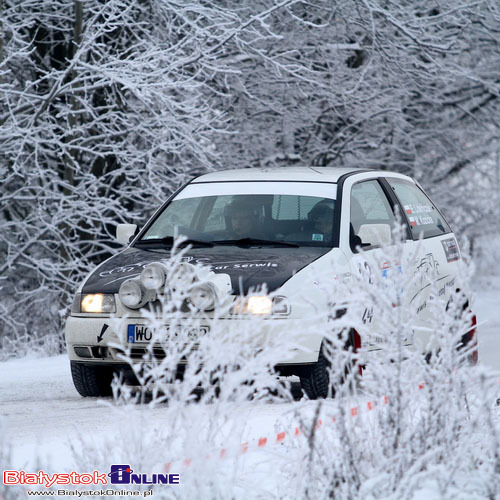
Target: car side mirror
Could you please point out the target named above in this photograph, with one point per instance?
(124, 232)
(375, 234)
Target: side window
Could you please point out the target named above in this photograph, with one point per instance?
(424, 218)
(371, 218)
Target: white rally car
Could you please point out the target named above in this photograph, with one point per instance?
(277, 228)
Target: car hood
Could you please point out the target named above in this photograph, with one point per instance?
(248, 268)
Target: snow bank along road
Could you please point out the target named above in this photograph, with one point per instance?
(41, 411)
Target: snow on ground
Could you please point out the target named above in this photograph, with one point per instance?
(41, 410)
(487, 307)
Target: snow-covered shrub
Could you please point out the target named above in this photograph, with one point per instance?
(410, 425)
(427, 420)
(195, 389)
(7, 492)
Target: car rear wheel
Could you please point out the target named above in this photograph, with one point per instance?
(92, 381)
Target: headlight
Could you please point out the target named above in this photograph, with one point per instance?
(259, 305)
(153, 276)
(94, 303)
(132, 294)
(263, 305)
(203, 296)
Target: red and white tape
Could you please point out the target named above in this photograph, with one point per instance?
(280, 437)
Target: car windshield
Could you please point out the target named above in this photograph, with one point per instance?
(260, 219)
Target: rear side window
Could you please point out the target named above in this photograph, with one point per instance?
(424, 218)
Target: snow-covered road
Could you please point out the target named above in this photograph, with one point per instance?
(44, 417)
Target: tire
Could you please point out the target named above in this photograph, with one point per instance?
(92, 381)
(316, 384)
(468, 340)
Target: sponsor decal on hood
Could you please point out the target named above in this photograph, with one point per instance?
(248, 267)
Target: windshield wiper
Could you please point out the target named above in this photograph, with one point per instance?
(256, 241)
(169, 241)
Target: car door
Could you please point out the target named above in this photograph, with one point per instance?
(372, 219)
(436, 259)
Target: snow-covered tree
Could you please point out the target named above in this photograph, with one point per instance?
(106, 106)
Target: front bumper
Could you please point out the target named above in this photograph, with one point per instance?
(104, 340)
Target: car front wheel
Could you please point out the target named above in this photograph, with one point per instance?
(316, 383)
(92, 381)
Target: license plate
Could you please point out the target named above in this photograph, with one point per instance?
(142, 334)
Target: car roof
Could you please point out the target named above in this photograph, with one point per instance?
(299, 174)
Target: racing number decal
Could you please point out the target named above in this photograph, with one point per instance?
(367, 315)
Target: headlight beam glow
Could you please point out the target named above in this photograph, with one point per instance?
(97, 303)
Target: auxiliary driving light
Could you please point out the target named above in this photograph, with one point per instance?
(203, 296)
(183, 277)
(153, 276)
(132, 294)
